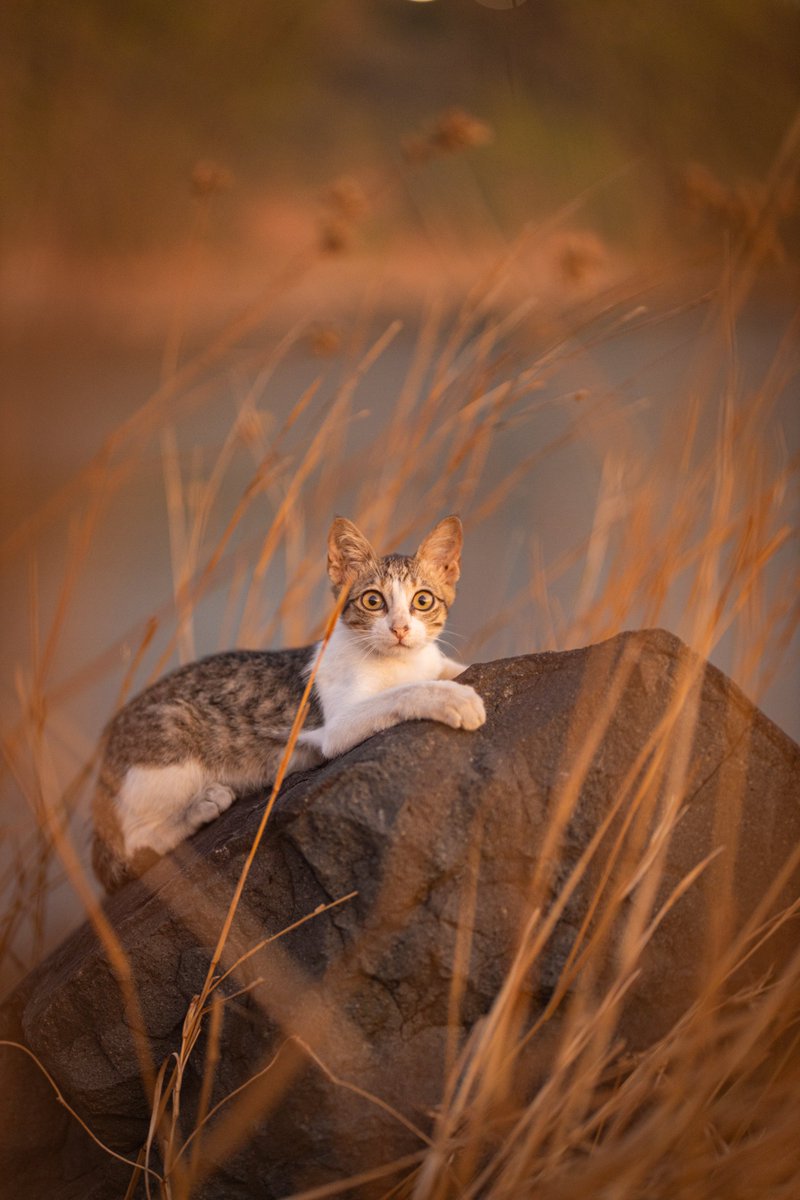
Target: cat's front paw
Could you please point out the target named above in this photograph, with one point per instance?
(457, 705)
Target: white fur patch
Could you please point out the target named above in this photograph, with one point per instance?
(152, 805)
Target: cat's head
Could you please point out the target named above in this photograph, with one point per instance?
(399, 602)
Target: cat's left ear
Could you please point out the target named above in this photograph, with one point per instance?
(442, 548)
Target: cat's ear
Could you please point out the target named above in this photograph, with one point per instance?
(349, 552)
(442, 549)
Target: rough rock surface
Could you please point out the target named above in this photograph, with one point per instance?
(407, 820)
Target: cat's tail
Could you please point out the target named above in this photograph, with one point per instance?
(111, 870)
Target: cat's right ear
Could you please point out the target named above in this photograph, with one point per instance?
(349, 552)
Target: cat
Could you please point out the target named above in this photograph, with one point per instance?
(174, 757)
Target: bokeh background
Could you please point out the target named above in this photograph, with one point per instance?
(210, 208)
(111, 107)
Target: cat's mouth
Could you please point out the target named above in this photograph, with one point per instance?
(390, 642)
(400, 645)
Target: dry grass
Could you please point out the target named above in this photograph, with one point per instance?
(694, 514)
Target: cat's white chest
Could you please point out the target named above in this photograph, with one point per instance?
(414, 667)
(348, 675)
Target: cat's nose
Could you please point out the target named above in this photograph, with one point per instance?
(399, 631)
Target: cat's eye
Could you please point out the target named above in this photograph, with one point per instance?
(373, 601)
(423, 601)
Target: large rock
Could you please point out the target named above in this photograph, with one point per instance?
(633, 743)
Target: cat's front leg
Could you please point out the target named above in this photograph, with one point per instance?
(450, 668)
(307, 752)
(454, 704)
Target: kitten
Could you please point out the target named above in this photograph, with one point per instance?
(174, 757)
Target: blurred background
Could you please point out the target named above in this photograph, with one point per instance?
(533, 261)
(111, 107)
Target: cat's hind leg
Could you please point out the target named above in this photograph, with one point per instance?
(157, 807)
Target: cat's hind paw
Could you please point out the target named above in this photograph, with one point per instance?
(207, 805)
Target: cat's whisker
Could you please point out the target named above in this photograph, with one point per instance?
(365, 652)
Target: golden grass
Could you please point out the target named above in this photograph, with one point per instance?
(706, 1111)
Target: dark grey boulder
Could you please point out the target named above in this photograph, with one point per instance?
(408, 819)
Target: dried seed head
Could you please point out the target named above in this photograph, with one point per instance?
(579, 256)
(210, 177)
(453, 130)
(345, 198)
(456, 129)
(335, 235)
(325, 341)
